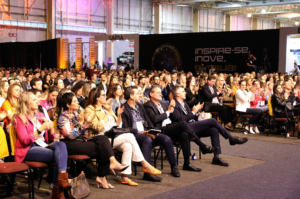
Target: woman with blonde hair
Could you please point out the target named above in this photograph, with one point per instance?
(3, 91)
(29, 128)
(9, 106)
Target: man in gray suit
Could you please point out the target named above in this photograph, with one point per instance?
(26, 84)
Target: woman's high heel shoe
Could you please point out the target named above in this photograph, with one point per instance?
(123, 168)
(100, 183)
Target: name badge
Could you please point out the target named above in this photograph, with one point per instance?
(294, 103)
(262, 103)
(140, 126)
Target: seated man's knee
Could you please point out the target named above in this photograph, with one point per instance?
(126, 147)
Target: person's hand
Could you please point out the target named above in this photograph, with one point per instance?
(220, 90)
(3, 115)
(253, 88)
(201, 106)
(286, 95)
(144, 132)
(120, 110)
(46, 126)
(171, 106)
(81, 117)
(196, 108)
(295, 92)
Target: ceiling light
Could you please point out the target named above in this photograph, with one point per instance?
(292, 15)
(182, 5)
(296, 23)
(263, 11)
(249, 15)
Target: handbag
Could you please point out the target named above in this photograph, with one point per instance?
(115, 132)
(80, 186)
(204, 116)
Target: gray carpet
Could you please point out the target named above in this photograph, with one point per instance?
(278, 177)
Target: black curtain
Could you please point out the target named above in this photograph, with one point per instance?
(29, 54)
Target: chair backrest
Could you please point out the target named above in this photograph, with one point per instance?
(270, 106)
(13, 139)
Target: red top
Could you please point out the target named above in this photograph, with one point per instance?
(88, 73)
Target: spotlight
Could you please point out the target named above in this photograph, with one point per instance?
(263, 11)
(249, 15)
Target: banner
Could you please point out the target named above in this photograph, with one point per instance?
(78, 53)
(92, 51)
(223, 51)
(131, 44)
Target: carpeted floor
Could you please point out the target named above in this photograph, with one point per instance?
(258, 169)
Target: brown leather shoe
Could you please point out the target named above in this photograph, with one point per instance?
(56, 194)
(62, 182)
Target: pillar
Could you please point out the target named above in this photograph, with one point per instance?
(157, 18)
(51, 19)
(277, 24)
(228, 23)
(196, 18)
(254, 24)
(110, 30)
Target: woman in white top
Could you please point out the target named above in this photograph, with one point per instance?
(243, 99)
(101, 118)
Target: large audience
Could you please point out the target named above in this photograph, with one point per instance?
(46, 114)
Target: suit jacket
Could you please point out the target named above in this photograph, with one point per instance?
(127, 119)
(169, 90)
(66, 82)
(207, 96)
(154, 115)
(24, 85)
(179, 115)
(101, 86)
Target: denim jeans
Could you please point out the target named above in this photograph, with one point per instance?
(56, 152)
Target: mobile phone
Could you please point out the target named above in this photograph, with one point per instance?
(224, 85)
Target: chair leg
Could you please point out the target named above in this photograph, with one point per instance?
(154, 150)
(134, 165)
(32, 181)
(162, 157)
(29, 184)
(41, 177)
(75, 167)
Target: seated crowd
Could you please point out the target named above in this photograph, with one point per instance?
(46, 113)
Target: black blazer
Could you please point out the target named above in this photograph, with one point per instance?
(154, 115)
(207, 96)
(127, 119)
(67, 83)
(191, 99)
(178, 114)
(100, 85)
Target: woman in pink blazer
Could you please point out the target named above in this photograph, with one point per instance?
(30, 143)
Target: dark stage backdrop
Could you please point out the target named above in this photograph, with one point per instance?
(29, 54)
(227, 51)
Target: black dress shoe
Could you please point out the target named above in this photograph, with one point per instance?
(190, 167)
(220, 162)
(175, 172)
(236, 140)
(208, 149)
(152, 178)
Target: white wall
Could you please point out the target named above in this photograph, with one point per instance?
(240, 22)
(120, 47)
(211, 21)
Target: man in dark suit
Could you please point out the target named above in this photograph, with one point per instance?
(159, 114)
(204, 128)
(102, 84)
(68, 80)
(26, 84)
(135, 118)
(210, 97)
(174, 79)
(167, 80)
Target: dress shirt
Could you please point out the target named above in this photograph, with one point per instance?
(136, 116)
(215, 99)
(161, 111)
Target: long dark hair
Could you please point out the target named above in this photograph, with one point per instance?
(112, 91)
(77, 86)
(189, 80)
(94, 94)
(63, 101)
(275, 92)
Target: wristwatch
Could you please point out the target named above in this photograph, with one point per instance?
(39, 132)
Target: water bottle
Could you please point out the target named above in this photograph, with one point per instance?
(194, 157)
